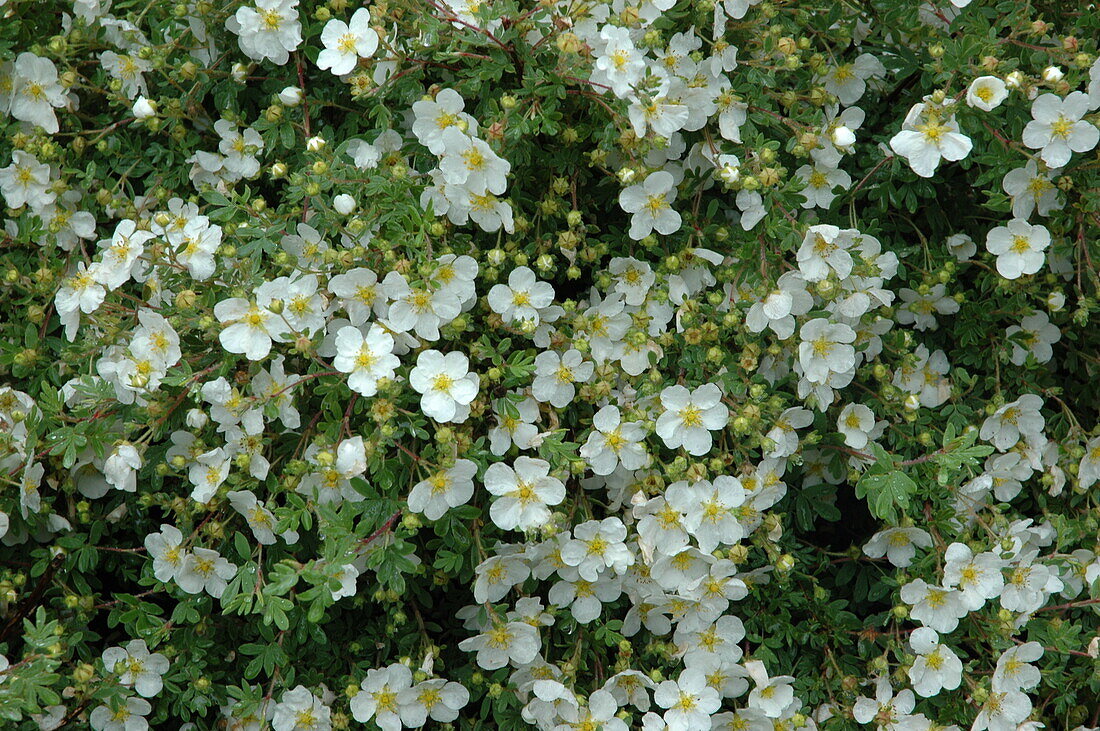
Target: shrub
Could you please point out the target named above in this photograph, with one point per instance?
(571, 365)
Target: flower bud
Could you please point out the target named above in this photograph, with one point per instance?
(1052, 74)
(144, 108)
(316, 143)
(291, 96)
(843, 137)
(344, 204)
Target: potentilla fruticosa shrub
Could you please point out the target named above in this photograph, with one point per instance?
(557, 365)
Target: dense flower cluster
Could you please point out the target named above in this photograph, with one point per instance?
(553, 365)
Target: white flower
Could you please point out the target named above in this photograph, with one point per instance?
(127, 68)
(1013, 421)
(249, 327)
(359, 294)
(1038, 335)
(709, 510)
(555, 375)
(445, 384)
(497, 575)
(470, 162)
(820, 182)
(888, 711)
(433, 117)
(300, 710)
(1088, 470)
(36, 92)
(961, 246)
(367, 359)
(934, 606)
(986, 93)
(842, 136)
(331, 483)
(1014, 671)
(270, 30)
(1031, 191)
(784, 433)
(613, 442)
(205, 570)
(166, 549)
(524, 493)
(316, 143)
(447, 488)
(689, 700)
(1019, 247)
(928, 139)
(633, 279)
(620, 65)
(920, 310)
(771, 696)
(855, 422)
(1003, 711)
(515, 425)
(125, 716)
(438, 699)
(977, 577)
(584, 598)
(848, 81)
(346, 575)
(690, 416)
(1028, 586)
(825, 348)
(522, 298)
(239, 148)
(207, 474)
(199, 242)
(825, 248)
(121, 466)
(598, 545)
(899, 545)
(659, 113)
(136, 666)
(346, 43)
(651, 204)
(120, 254)
(515, 642)
(1057, 128)
(419, 309)
(378, 698)
(779, 308)
(26, 182)
(936, 667)
(259, 518)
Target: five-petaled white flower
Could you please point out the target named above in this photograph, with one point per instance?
(524, 493)
(1019, 247)
(366, 358)
(690, 416)
(445, 383)
(1057, 128)
(651, 204)
(346, 43)
(136, 666)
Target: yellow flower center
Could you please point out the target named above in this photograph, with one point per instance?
(691, 415)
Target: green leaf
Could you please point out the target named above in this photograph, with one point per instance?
(886, 493)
